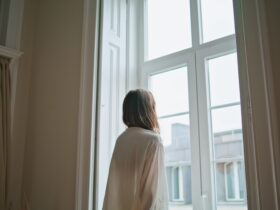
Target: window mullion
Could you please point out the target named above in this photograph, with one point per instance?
(194, 134)
(168, 62)
(208, 198)
(141, 33)
(195, 23)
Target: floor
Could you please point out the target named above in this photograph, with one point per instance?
(188, 207)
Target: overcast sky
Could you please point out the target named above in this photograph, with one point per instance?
(169, 31)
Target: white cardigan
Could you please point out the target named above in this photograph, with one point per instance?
(137, 179)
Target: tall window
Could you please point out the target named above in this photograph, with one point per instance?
(184, 51)
(190, 64)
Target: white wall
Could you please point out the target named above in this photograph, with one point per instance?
(21, 108)
(47, 98)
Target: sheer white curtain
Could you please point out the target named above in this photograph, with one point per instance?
(5, 127)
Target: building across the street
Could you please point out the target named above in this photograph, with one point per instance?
(228, 166)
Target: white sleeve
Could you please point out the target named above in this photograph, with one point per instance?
(153, 193)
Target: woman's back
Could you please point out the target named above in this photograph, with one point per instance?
(137, 176)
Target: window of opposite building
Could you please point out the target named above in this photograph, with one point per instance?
(177, 184)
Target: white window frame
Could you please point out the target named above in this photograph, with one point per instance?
(203, 197)
(257, 106)
(224, 46)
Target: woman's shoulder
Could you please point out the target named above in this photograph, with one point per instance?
(144, 134)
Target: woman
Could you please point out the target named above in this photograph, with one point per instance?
(137, 178)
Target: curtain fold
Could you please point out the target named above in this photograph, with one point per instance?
(5, 127)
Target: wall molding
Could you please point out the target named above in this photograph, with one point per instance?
(14, 55)
(270, 101)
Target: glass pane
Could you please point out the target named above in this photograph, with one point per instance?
(170, 90)
(168, 27)
(225, 120)
(175, 132)
(217, 19)
(223, 79)
(226, 128)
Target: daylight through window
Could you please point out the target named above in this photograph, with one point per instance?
(190, 63)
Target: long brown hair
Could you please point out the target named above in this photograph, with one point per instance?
(139, 110)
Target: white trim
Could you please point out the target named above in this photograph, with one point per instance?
(141, 41)
(207, 175)
(177, 164)
(87, 110)
(196, 187)
(225, 160)
(166, 63)
(195, 23)
(180, 57)
(111, 90)
(132, 62)
(145, 43)
(258, 106)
